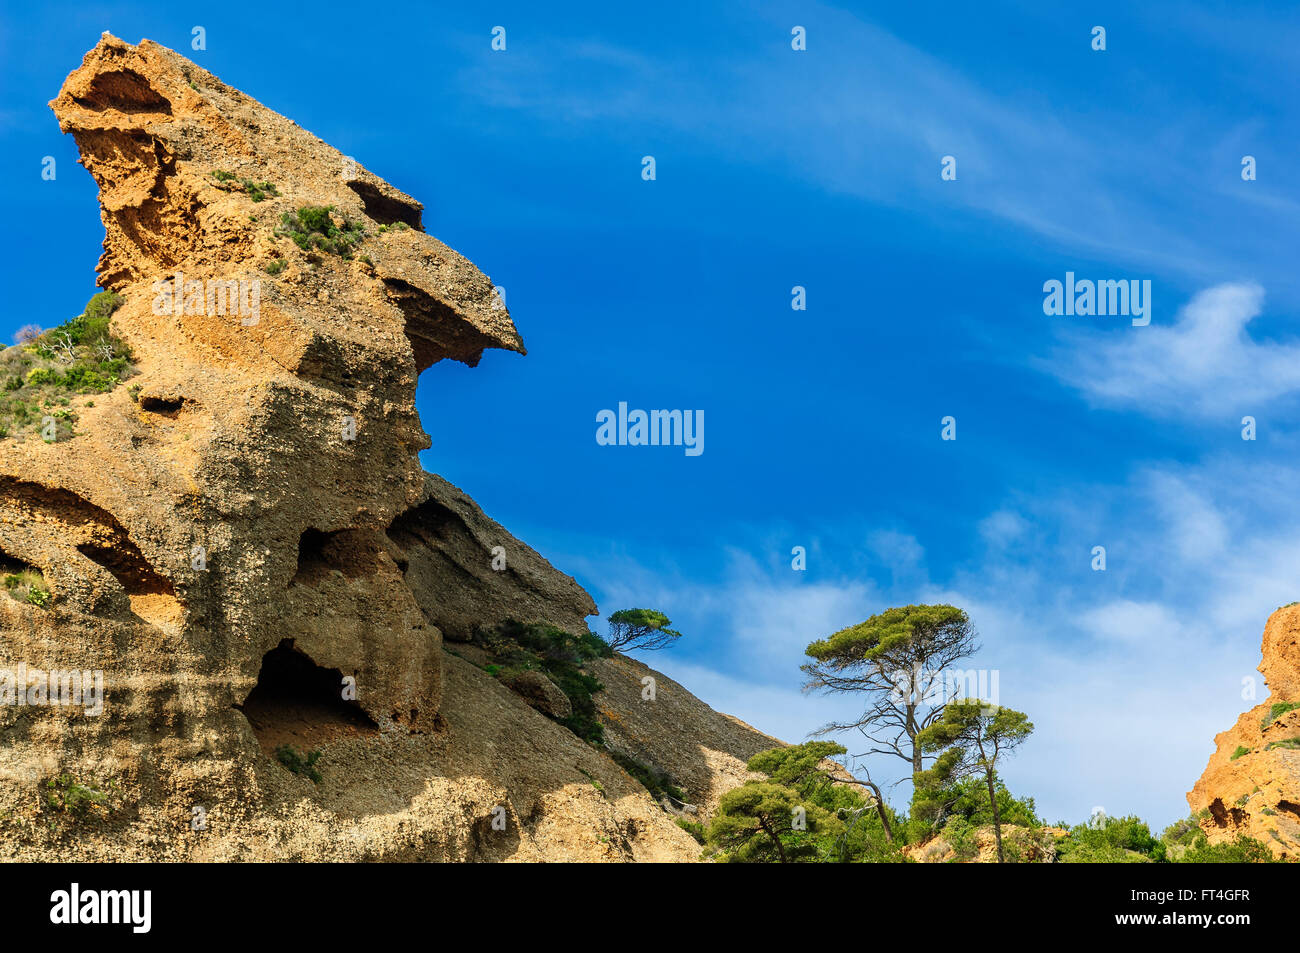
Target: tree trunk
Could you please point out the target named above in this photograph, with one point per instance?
(880, 808)
(780, 848)
(997, 817)
(912, 730)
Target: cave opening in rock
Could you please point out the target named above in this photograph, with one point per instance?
(164, 406)
(384, 209)
(9, 565)
(311, 554)
(352, 552)
(299, 703)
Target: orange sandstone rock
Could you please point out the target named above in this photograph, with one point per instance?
(1251, 785)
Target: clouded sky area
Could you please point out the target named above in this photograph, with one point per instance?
(821, 168)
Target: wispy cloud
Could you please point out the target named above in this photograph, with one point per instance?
(866, 114)
(1128, 674)
(1205, 362)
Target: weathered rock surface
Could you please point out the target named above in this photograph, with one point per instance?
(443, 540)
(1257, 793)
(542, 693)
(703, 751)
(246, 547)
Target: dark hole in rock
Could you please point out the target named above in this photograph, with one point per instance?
(1219, 813)
(299, 703)
(353, 552)
(311, 550)
(9, 565)
(384, 209)
(166, 406)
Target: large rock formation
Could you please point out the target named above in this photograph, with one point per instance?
(1252, 784)
(243, 542)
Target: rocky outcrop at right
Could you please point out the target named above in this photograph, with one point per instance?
(1252, 784)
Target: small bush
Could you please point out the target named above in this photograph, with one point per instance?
(67, 796)
(1117, 840)
(694, 828)
(1277, 711)
(312, 226)
(960, 835)
(658, 783)
(257, 191)
(298, 762)
(28, 586)
(1241, 751)
(28, 333)
(1243, 850)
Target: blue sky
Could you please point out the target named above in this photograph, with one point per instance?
(821, 169)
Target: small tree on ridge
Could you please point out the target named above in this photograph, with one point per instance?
(640, 629)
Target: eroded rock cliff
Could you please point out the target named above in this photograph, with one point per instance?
(245, 527)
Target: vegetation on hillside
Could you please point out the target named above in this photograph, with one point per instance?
(42, 375)
(809, 808)
(319, 227)
(257, 191)
(72, 799)
(516, 647)
(1277, 711)
(26, 585)
(902, 665)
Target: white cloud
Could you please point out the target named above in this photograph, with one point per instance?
(1127, 674)
(900, 551)
(1001, 528)
(757, 620)
(1131, 623)
(1203, 362)
(779, 710)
